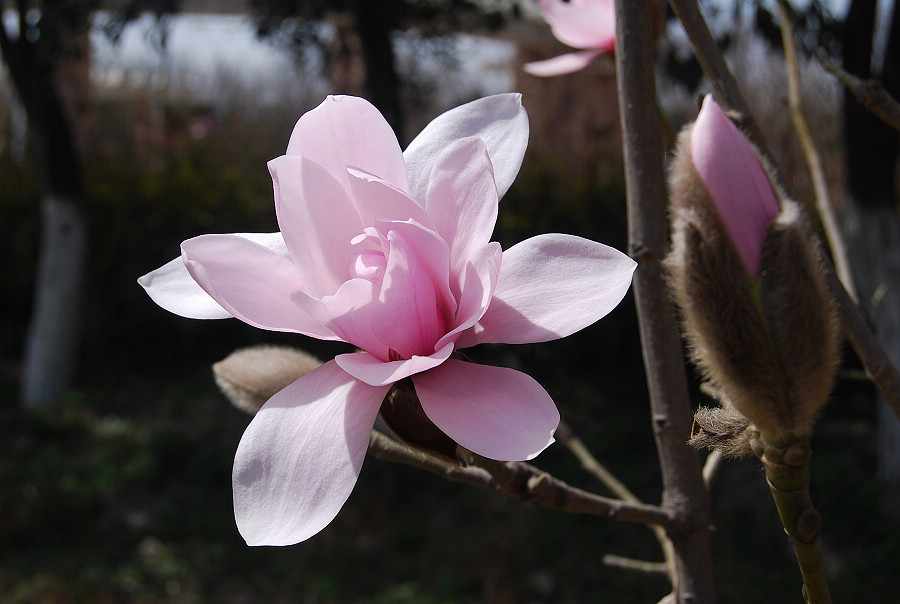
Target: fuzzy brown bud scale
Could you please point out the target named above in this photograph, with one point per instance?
(250, 376)
(769, 341)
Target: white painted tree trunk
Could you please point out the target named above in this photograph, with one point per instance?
(873, 239)
(53, 334)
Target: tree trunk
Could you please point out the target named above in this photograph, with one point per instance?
(53, 333)
(375, 22)
(870, 219)
(52, 339)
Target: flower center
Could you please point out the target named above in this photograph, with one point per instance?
(370, 262)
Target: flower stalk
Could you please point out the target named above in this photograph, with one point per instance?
(787, 473)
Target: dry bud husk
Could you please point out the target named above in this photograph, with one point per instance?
(251, 376)
(770, 340)
(723, 428)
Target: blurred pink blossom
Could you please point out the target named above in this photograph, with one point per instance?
(389, 251)
(586, 24)
(735, 180)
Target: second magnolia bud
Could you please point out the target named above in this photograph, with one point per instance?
(769, 339)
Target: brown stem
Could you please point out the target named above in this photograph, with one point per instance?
(520, 481)
(684, 493)
(712, 62)
(870, 93)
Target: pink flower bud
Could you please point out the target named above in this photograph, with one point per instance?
(735, 180)
(768, 343)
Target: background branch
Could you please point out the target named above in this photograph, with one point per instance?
(817, 174)
(870, 93)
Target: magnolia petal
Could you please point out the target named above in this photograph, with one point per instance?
(318, 221)
(477, 285)
(561, 65)
(496, 412)
(250, 281)
(375, 372)
(347, 131)
(414, 307)
(377, 199)
(735, 179)
(300, 457)
(172, 287)
(582, 24)
(462, 198)
(551, 286)
(499, 120)
(349, 314)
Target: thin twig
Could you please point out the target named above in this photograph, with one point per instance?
(820, 186)
(870, 93)
(592, 465)
(878, 366)
(712, 62)
(521, 481)
(651, 568)
(712, 466)
(683, 490)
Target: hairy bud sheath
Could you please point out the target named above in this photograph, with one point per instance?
(250, 376)
(768, 340)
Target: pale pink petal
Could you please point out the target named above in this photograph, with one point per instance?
(585, 24)
(300, 456)
(250, 281)
(462, 198)
(172, 287)
(375, 372)
(346, 131)
(499, 120)
(477, 284)
(377, 199)
(495, 412)
(561, 65)
(318, 221)
(551, 286)
(735, 180)
(349, 314)
(414, 310)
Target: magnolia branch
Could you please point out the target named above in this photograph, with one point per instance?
(592, 466)
(878, 366)
(683, 490)
(520, 481)
(817, 174)
(870, 93)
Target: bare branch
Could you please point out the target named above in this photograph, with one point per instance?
(521, 481)
(683, 490)
(593, 466)
(643, 566)
(870, 93)
(823, 199)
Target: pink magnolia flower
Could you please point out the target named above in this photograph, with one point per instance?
(586, 24)
(735, 180)
(389, 251)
